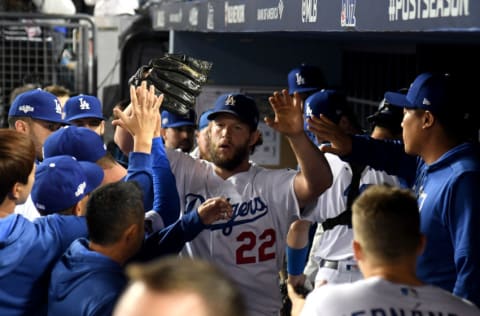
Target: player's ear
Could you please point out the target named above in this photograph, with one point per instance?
(428, 119)
(21, 126)
(421, 245)
(254, 137)
(357, 250)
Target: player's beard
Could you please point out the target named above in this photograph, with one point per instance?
(239, 154)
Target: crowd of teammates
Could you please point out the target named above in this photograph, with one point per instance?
(72, 217)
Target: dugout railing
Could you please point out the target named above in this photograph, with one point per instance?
(46, 50)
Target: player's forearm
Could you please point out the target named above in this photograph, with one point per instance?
(297, 236)
(315, 175)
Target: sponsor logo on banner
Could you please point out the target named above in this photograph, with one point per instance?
(176, 17)
(274, 13)
(309, 11)
(193, 16)
(210, 16)
(160, 19)
(234, 14)
(347, 16)
(405, 10)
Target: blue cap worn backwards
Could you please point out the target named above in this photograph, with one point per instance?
(37, 104)
(62, 181)
(305, 78)
(79, 142)
(172, 120)
(239, 105)
(83, 106)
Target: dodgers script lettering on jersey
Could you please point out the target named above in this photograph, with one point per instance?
(243, 212)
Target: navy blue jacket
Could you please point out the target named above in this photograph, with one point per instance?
(449, 202)
(28, 250)
(85, 282)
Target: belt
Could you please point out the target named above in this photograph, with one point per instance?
(331, 264)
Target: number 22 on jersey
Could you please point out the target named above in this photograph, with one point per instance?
(248, 252)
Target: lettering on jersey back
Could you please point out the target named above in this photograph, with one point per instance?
(397, 311)
(243, 212)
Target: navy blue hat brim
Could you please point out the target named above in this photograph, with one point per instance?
(398, 99)
(46, 119)
(84, 115)
(212, 115)
(179, 124)
(303, 90)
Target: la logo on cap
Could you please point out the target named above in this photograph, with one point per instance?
(299, 78)
(84, 105)
(308, 111)
(26, 108)
(230, 100)
(58, 107)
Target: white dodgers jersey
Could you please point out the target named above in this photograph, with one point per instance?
(377, 296)
(336, 243)
(250, 246)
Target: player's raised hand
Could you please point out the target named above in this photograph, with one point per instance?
(144, 116)
(215, 209)
(338, 142)
(288, 118)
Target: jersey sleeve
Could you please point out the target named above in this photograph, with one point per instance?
(464, 224)
(64, 228)
(386, 155)
(171, 239)
(279, 190)
(165, 201)
(139, 170)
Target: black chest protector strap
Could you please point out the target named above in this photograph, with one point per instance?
(345, 218)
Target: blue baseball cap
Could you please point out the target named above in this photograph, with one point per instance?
(388, 115)
(83, 106)
(62, 181)
(243, 107)
(79, 142)
(330, 103)
(37, 104)
(305, 78)
(171, 120)
(203, 120)
(428, 91)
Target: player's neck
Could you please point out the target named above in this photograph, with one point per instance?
(7, 207)
(226, 173)
(400, 273)
(114, 252)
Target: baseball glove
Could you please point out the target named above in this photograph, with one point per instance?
(179, 77)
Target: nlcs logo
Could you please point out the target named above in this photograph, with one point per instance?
(25, 108)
